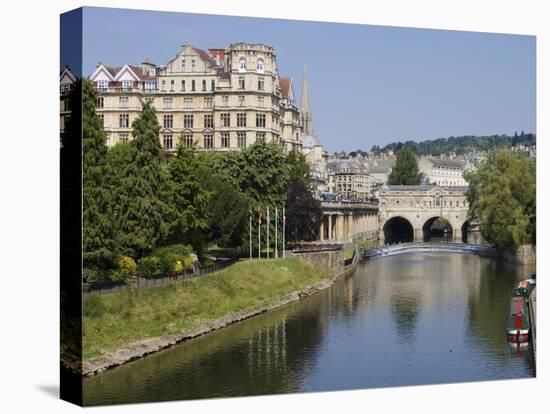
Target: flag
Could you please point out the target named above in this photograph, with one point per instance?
(259, 215)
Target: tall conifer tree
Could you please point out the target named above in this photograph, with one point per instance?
(141, 223)
(406, 171)
(98, 245)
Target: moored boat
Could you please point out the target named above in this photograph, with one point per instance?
(518, 321)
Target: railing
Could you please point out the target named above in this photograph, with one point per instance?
(142, 282)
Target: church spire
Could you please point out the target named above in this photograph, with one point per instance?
(305, 111)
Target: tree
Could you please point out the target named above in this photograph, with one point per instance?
(298, 167)
(259, 171)
(303, 212)
(406, 170)
(141, 224)
(119, 158)
(186, 200)
(502, 196)
(97, 234)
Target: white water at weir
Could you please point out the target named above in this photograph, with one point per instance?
(402, 248)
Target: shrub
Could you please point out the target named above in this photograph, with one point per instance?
(126, 267)
(170, 255)
(178, 267)
(149, 267)
(178, 249)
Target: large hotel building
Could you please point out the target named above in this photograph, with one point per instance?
(220, 99)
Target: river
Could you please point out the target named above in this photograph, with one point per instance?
(410, 319)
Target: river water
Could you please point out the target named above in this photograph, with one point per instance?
(410, 319)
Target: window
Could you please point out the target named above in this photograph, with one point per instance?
(167, 141)
(168, 121)
(225, 100)
(167, 103)
(123, 137)
(152, 72)
(260, 66)
(188, 102)
(241, 100)
(163, 85)
(100, 102)
(188, 140)
(123, 120)
(241, 82)
(213, 85)
(241, 139)
(241, 119)
(101, 119)
(193, 85)
(261, 84)
(225, 140)
(172, 85)
(188, 121)
(66, 105)
(150, 85)
(102, 84)
(204, 85)
(225, 119)
(242, 65)
(126, 84)
(260, 120)
(260, 135)
(123, 102)
(208, 102)
(64, 88)
(260, 101)
(193, 65)
(183, 65)
(183, 86)
(209, 121)
(208, 141)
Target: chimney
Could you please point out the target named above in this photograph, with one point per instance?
(98, 64)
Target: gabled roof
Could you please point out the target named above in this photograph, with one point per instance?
(127, 68)
(110, 72)
(67, 73)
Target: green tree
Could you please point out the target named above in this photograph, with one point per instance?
(502, 196)
(119, 158)
(259, 171)
(186, 200)
(406, 170)
(97, 234)
(141, 224)
(303, 212)
(298, 167)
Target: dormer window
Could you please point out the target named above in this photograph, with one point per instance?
(242, 65)
(152, 72)
(102, 84)
(260, 66)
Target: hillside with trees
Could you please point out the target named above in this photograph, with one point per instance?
(459, 145)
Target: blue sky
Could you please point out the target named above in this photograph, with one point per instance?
(368, 84)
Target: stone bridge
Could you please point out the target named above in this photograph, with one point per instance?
(402, 213)
(413, 210)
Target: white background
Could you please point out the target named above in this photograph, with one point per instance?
(29, 194)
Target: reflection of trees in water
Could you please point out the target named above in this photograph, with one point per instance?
(405, 312)
(264, 355)
(488, 306)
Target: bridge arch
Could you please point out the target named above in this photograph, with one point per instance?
(398, 229)
(437, 227)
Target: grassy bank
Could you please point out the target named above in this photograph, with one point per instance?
(111, 321)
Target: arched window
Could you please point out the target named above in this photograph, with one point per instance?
(242, 65)
(260, 66)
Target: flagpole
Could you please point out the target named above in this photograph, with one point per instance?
(276, 231)
(284, 225)
(267, 232)
(259, 232)
(250, 230)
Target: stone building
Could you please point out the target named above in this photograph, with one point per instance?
(316, 156)
(349, 179)
(443, 171)
(220, 99)
(66, 81)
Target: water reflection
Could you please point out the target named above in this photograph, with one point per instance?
(409, 319)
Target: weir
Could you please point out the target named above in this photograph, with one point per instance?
(402, 248)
